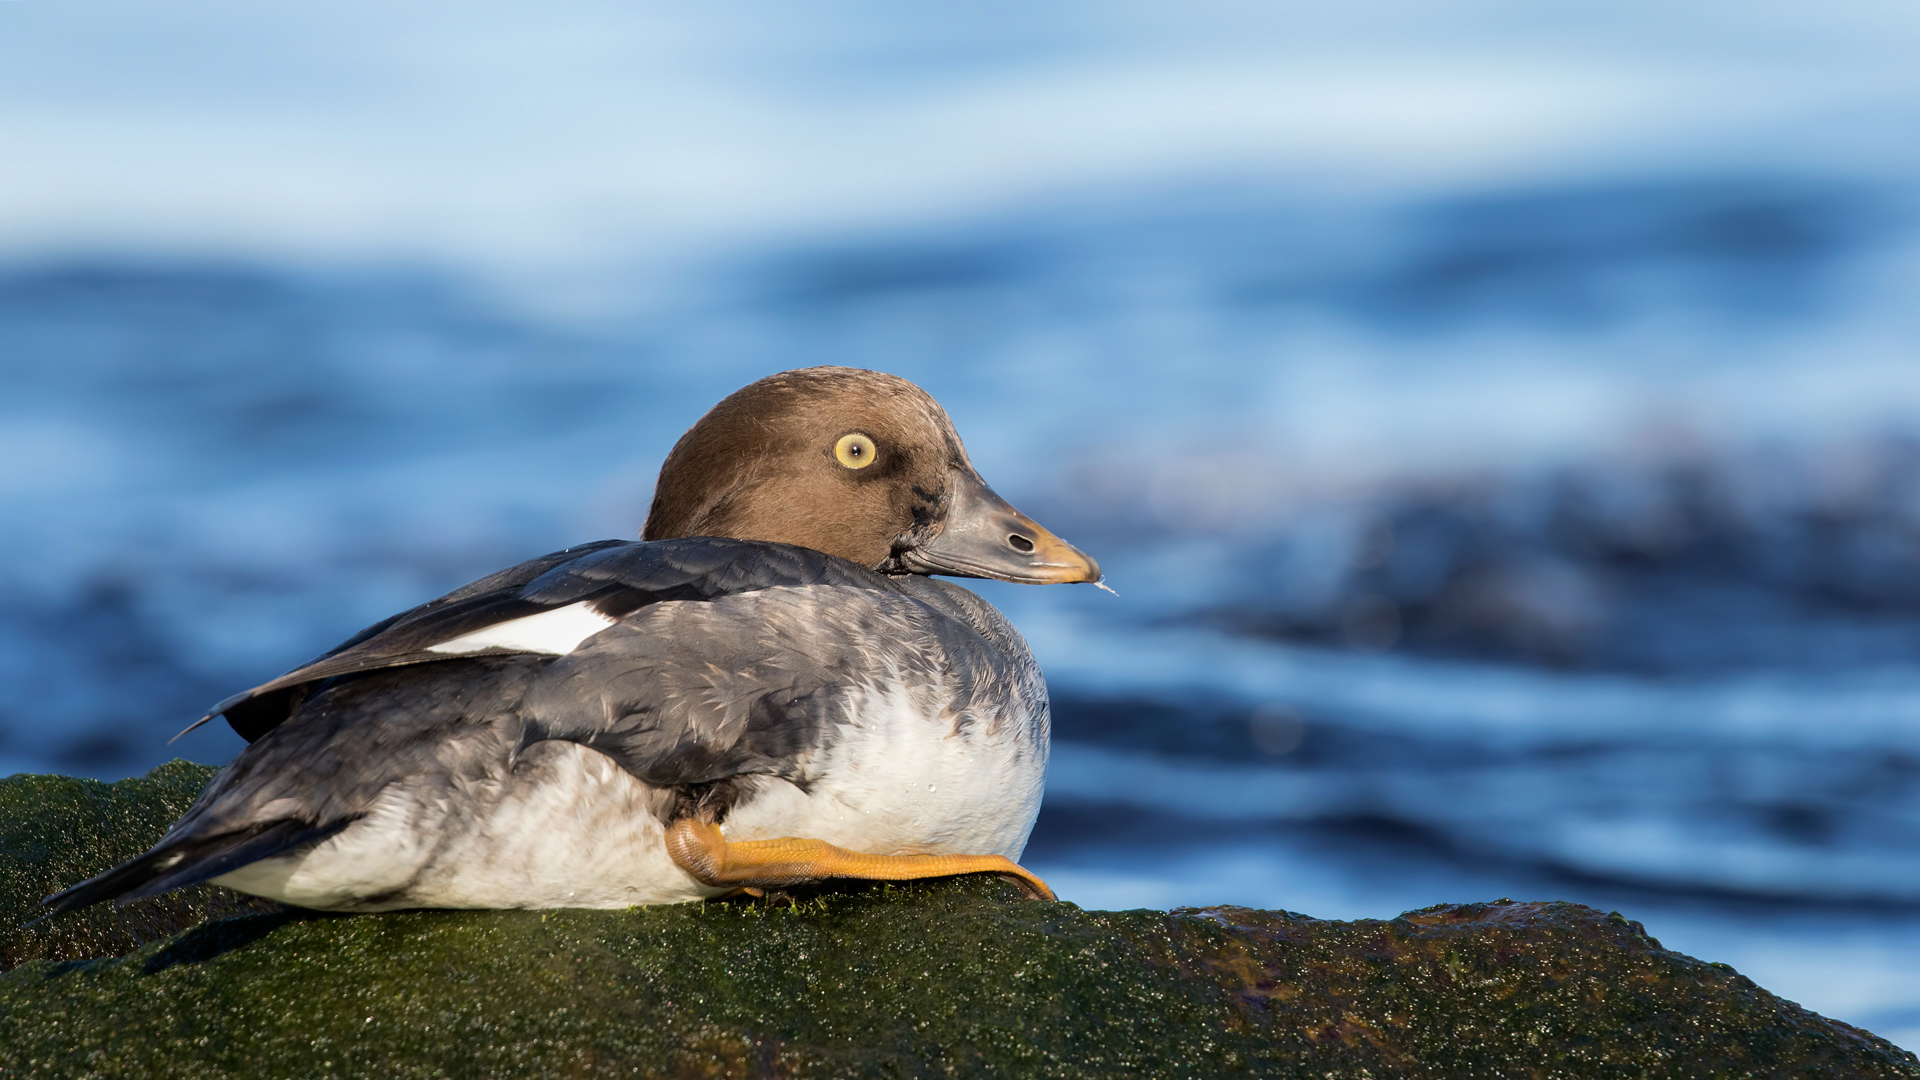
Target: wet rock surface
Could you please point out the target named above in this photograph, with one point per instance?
(57, 830)
(957, 978)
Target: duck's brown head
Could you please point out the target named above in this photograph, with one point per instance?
(854, 463)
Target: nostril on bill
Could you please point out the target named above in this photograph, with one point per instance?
(1019, 543)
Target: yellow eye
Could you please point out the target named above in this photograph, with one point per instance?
(855, 451)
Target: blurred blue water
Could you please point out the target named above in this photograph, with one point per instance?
(1549, 542)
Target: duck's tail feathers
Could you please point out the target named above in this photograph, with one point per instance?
(176, 862)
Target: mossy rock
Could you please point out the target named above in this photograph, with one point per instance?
(57, 830)
(955, 978)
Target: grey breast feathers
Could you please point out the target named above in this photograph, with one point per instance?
(756, 683)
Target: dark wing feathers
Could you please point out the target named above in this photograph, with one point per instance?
(618, 577)
(189, 861)
(254, 712)
(235, 850)
(407, 641)
(513, 577)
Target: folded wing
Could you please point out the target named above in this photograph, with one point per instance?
(546, 605)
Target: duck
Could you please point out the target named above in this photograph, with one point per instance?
(769, 689)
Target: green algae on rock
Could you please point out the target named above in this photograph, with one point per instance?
(954, 978)
(56, 830)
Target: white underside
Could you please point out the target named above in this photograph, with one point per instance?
(901, 780)
(567, 828)
(570, 828)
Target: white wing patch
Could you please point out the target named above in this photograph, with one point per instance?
(558, 632)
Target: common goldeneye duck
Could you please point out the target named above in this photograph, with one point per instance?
(765, 690)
